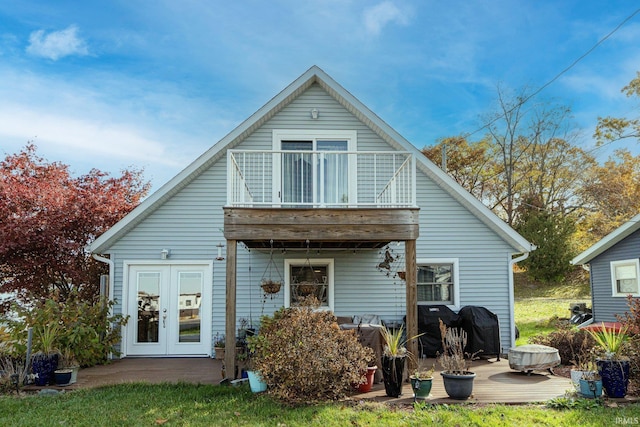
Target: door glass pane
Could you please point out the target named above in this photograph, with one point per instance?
(148, 306)
(190, 295)
(332, 173)
(297, 174)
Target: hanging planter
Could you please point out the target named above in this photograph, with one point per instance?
(270, 285)
(306, 288)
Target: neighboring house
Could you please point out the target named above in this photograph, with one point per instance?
(614, 268)
(347, 204)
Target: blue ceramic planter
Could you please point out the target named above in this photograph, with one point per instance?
(255, 382)
(591, 389)
(615, 376)
(44, 365)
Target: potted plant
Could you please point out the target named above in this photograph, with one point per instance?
(369, 376)
(590, 385)
(219, 346)
(256, 382)
(45, 361)
(582, 359)
(69, 362)
(421, 382)
(458, 380)
(614, 366)
(394, 355)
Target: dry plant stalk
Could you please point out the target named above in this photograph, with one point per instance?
(453, 343)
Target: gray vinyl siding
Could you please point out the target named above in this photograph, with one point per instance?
(605, 305)
(190, 224)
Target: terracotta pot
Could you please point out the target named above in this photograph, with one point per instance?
(370, 374)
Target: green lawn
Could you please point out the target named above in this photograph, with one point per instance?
(192, 405)
(539, 315)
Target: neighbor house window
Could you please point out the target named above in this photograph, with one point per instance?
(305, 278)
(624, 277)
(437, 282)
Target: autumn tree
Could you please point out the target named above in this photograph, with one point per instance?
(611, 129)
(610, 196)
(469, 163)
(47, 219)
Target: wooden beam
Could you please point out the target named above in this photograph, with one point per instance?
(230, 327)
(412, 301)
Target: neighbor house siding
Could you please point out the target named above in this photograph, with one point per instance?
(605, 305)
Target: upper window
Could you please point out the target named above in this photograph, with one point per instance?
(304, 278)
(437, 282)
(624, 277)
(314, 167)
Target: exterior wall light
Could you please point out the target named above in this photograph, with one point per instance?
(220, 257)
(165, 253)
(315, 114)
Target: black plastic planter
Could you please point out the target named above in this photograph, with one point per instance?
(392, 374)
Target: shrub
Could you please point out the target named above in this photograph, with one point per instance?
(304, 356)
(575, 346)
(85, 330)
(631, 322)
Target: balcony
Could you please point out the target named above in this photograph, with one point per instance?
(320, 179)
(320, 199)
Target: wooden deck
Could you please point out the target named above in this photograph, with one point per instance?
(495, 381)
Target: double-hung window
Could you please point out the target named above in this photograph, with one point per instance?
(438, 281)
(306, 278)
(313, 168)
(625, 277)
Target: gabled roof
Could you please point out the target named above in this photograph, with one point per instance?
(611, 239)
(271, 108)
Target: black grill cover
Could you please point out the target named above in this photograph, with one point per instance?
(430, 344)
(482, 328)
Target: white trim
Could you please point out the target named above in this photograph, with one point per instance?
(456, 278)
(624, 262)
(329, 262)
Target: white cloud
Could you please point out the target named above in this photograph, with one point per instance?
(382, 14)
(57, 44)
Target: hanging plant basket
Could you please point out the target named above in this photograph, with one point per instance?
(270, 287)
(306, 288)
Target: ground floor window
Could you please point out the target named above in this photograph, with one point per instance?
(437, 282)
(624, 277)
(309, 277)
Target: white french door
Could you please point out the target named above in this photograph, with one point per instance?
(170, 310)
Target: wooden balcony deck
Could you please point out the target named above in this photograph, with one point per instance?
(495, 381)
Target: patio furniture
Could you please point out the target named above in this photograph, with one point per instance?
(369, 336)
(533, 357)
(483, 331)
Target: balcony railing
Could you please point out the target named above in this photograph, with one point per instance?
(308, 179)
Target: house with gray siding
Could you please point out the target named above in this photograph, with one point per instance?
(614, 267)
(317, 192)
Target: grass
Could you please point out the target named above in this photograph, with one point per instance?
(538, 306)
(206, 405)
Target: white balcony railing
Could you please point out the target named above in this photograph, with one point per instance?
(309, 179)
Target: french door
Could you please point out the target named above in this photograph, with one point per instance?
(170, 310)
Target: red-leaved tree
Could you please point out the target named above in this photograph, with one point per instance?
(47, 219)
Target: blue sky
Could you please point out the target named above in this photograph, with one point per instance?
(153, 84)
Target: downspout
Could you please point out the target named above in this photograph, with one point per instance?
(111, 272)
(512, 318)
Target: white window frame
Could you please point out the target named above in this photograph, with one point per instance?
(298, 262)
(279, 135)
(456, 279)
(627, 262)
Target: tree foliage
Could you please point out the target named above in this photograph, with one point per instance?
(609, 196)
(48, 217)
(611, 129)
(551, 233)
